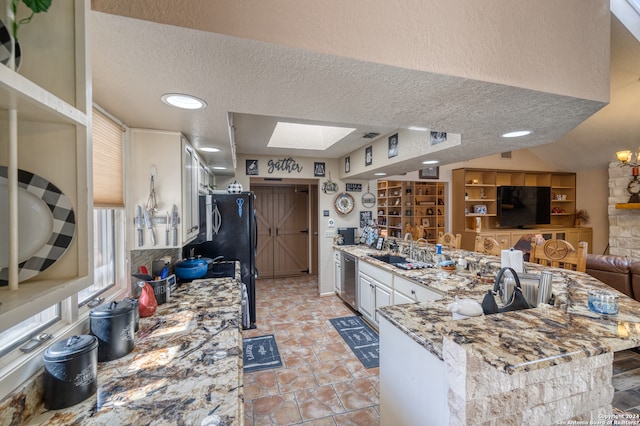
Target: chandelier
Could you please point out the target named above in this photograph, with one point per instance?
(628, 158)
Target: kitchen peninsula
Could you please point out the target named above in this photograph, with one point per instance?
(537, 366)
(186, 368)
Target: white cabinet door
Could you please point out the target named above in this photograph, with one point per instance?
(366, 295)
(382, 298)
(400, 298)
(337, 277)
(189, 193)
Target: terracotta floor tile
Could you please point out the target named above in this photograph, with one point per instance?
(290, 380)
(314, 357)
(365, 417)
(318, 402)
(276, 410)
(356, 394)
(331, 372)
(325, 421)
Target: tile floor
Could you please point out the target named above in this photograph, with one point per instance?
(321, 381)
(626, 381)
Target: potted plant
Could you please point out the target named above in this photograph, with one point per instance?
(36, 6)
(582, 217)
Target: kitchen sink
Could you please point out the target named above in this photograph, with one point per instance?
(401, 262)
(387, 258)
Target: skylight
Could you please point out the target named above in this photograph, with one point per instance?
(306, 136)
(628, 12)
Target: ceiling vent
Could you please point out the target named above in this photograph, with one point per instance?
(370, 135)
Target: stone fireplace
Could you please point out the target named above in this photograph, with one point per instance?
(624, 224)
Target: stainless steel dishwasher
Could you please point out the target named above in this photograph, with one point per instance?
(348, 280)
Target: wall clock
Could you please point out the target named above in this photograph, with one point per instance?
(344, 203)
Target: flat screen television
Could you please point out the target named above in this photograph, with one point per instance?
(522, 206)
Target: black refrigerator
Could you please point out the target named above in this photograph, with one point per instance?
(231, 219)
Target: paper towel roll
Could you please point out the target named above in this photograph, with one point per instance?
(513, 259)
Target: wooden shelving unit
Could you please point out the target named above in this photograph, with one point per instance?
(408, 206)
(475, 205)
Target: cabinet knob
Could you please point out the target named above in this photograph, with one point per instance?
(413, 292)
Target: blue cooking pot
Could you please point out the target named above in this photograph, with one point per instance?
(191, 269)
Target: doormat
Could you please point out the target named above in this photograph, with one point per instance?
(260, 353)
(362, 340)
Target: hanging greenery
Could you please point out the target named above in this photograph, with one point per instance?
(36, 6)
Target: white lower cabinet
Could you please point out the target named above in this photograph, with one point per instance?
(373, 293)
(382, 298)
(406, 291)
(385, 289)
(337, 272)
(366, 295)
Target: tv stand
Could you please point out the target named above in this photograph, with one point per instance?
(474, 195)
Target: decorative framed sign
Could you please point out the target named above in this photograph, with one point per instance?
(368, 155)
(354, 187)
(252, 167)
(437, 137)
(318, 169)
(393, 145)
(429, 173)
(366, 216)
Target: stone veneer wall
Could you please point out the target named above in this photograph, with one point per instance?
(479, 394)
(624, 224)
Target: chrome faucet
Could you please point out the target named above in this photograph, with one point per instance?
(409, 237)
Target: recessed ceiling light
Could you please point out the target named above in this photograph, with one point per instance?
(306, 136)
(430, 162)
(209, 149)
(517, 134)
(380, 174)
(180, 100)
(219, 168)
(420, 129)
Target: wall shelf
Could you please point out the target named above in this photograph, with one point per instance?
(628, 206)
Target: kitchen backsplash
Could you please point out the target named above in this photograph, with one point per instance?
(146, 257)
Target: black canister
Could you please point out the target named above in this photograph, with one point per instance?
(70, 371)
(161, 290)
(136, 311)
(113, 324)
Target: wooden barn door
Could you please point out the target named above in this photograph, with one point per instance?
(283, 231)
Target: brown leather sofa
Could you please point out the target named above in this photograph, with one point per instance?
(619, 272)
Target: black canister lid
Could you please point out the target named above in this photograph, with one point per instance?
(112, 309)
(67, 349)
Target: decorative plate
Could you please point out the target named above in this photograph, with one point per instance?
(344, 203)
(5, 47)
(46, 225)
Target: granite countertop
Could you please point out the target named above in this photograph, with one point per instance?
(186, 367)
(512, 341)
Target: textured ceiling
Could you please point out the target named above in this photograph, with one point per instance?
(135, 62)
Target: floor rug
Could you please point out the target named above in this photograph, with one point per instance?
(260, 353)
(362, 340)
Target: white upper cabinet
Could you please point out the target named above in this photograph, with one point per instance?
(175, 167)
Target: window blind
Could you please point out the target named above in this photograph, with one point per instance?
(108, 168)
